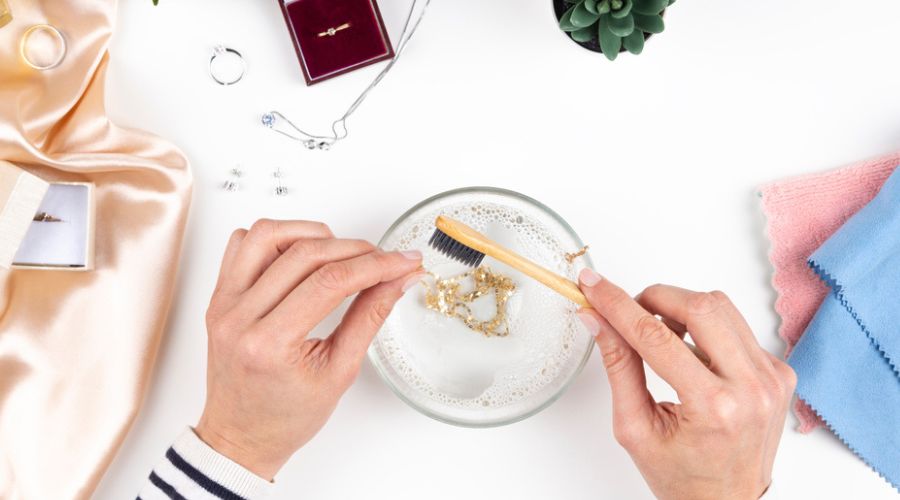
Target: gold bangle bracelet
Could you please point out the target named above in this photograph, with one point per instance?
(55, 33)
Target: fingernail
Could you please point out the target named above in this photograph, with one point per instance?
(590, 323)
(588, 277)
(412, 254)
(415, 280)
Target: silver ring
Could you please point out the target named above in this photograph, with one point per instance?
(23, 45)
(220, 50)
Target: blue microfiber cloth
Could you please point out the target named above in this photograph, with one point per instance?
(848, 360)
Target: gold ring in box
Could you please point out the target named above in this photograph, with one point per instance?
(333, 31)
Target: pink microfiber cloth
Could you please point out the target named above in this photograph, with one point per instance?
(801, 214)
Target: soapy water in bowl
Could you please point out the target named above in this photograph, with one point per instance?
(443, 362)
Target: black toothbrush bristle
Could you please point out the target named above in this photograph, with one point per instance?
(448, 246)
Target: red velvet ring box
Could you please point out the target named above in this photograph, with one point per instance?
(333, 37)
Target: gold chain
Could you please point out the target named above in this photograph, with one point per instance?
(446, 297)
(570, 257)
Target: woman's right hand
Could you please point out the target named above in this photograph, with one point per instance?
(720, 441)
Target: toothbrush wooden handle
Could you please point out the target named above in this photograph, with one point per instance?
(477, 241)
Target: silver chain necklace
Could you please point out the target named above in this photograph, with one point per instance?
(274, 119)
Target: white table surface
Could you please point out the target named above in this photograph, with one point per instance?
(654, 160)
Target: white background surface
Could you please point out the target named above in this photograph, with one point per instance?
(654, 160)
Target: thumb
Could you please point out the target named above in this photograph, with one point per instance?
(362, 321)
(632, 402)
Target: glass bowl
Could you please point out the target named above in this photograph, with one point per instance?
(456, 375)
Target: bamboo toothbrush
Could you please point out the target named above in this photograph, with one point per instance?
(460, 242)
(464, 244)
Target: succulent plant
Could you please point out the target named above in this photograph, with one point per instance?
(614, 24)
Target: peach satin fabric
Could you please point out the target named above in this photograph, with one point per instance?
(76, 349)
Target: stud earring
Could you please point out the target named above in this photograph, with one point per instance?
(232, 184)
(280, 189)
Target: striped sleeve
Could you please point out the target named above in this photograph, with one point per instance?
(191, 470)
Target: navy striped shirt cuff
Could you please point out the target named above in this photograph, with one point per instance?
(191, 470)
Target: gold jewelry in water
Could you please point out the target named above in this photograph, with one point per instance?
(447, 297)
(570, 257)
